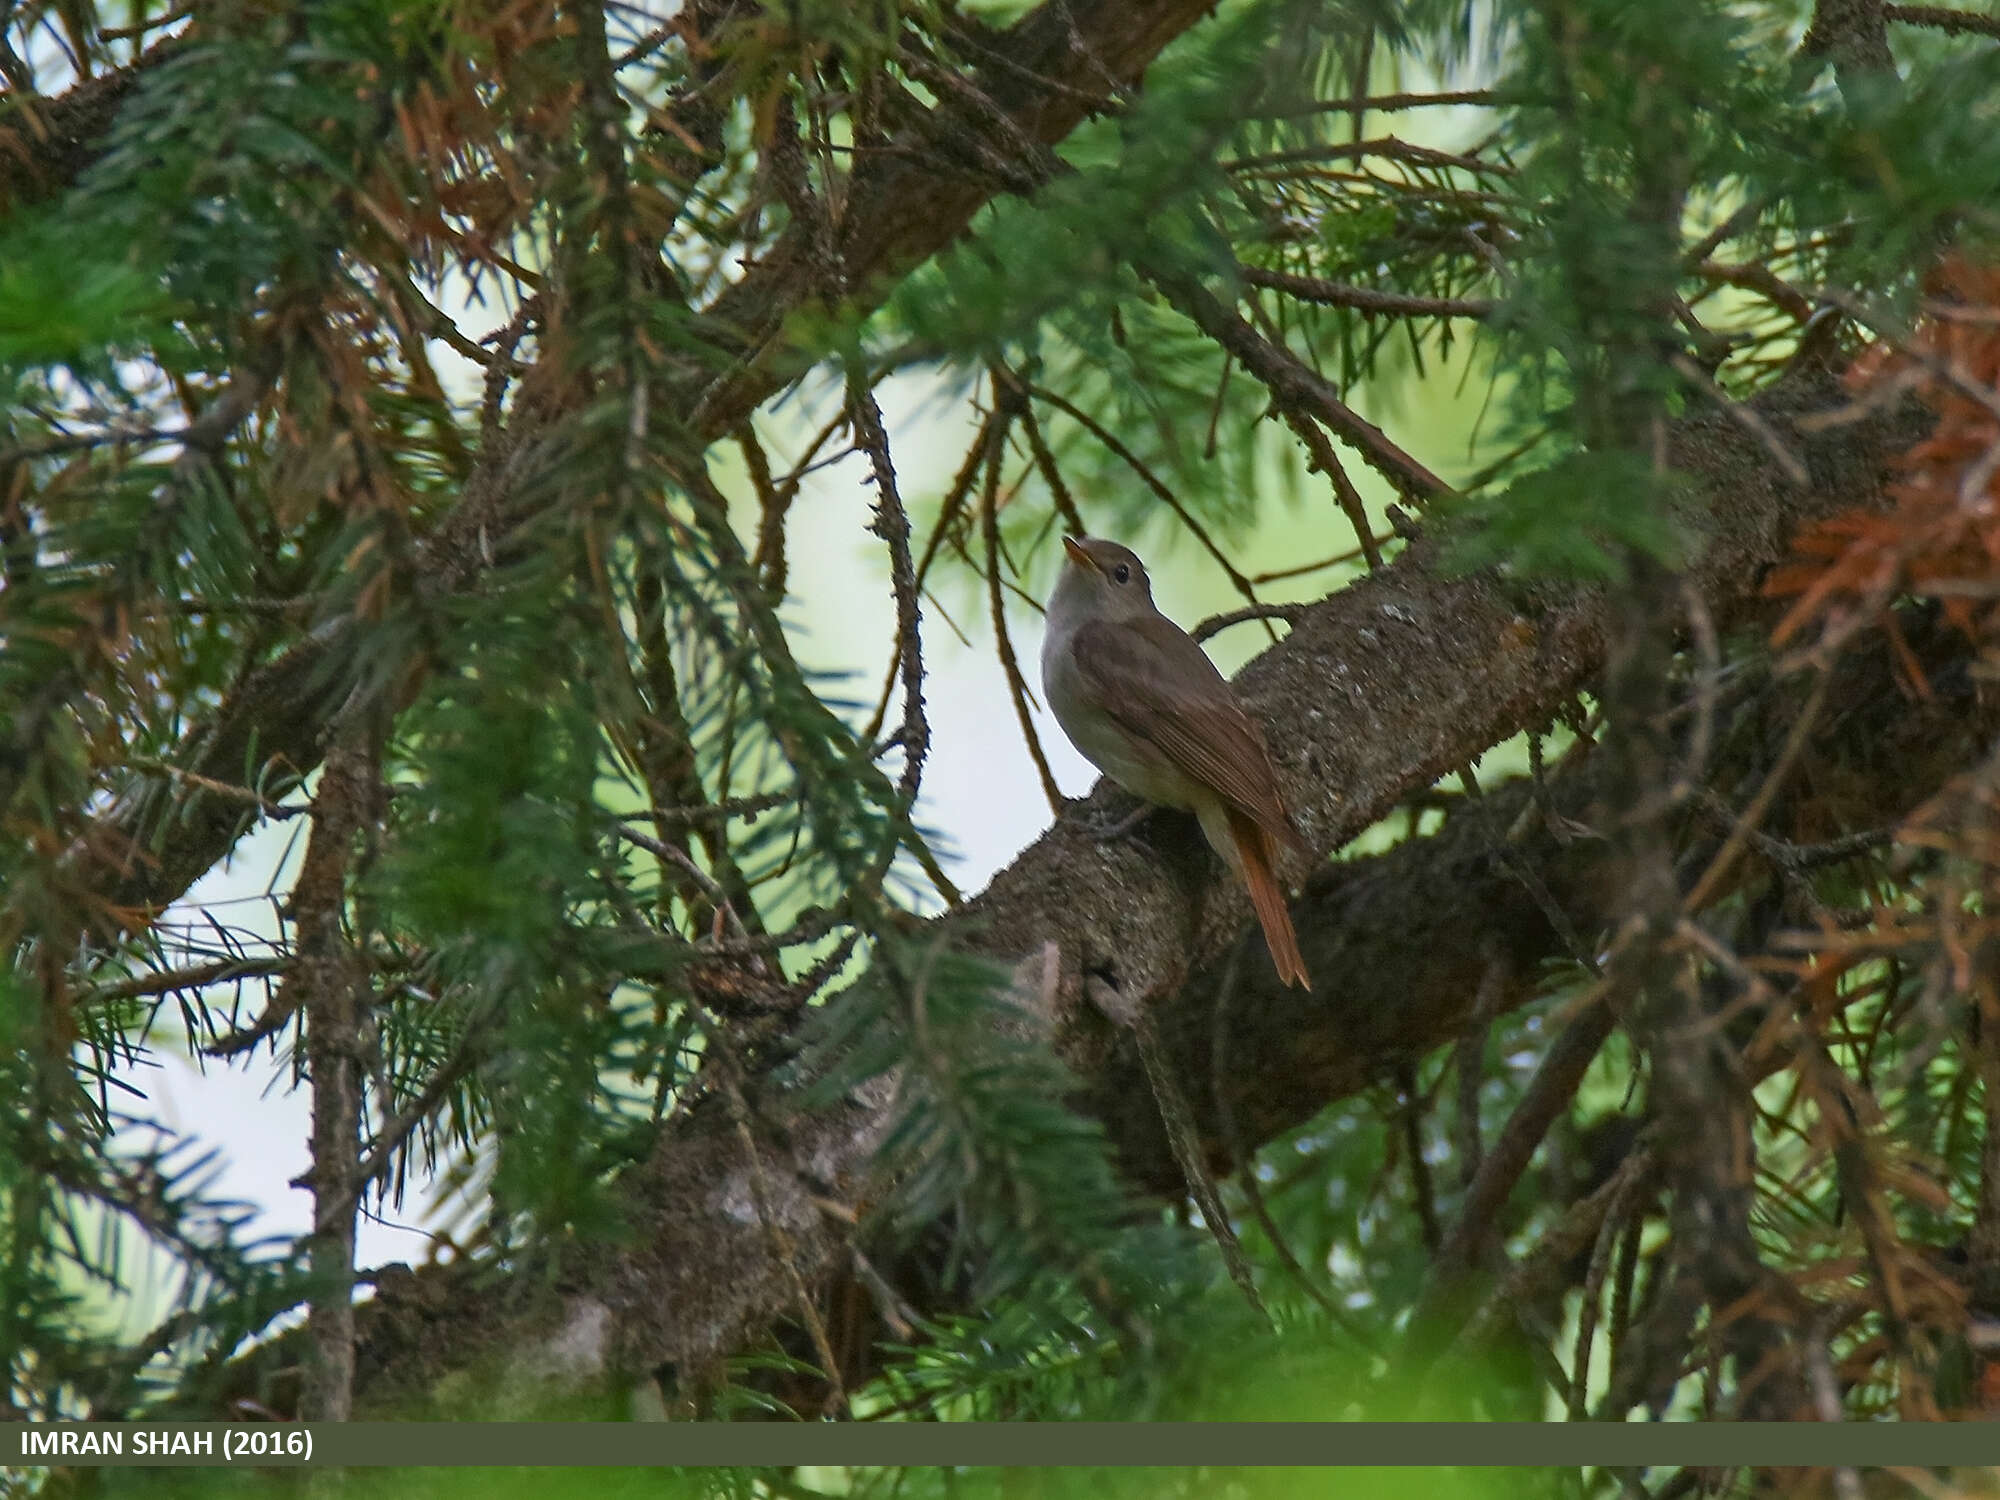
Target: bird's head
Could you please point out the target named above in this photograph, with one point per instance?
(1103, 580)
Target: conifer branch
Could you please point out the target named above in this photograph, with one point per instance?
(1943, 18)
(1295, 386)
(1500, 671)
(326, 983)
(1325, 293)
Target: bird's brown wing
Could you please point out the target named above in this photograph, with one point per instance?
(1162, 688)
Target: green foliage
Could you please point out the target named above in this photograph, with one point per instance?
(1898, 165)
(981, 1137)
(496, 848)
(1580, 518)
(106, 1216)
(58, 310)
(1124, 197)
(364, 387)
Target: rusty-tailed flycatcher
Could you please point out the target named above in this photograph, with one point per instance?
(1145, 705)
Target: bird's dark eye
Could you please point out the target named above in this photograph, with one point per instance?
(1122, 573)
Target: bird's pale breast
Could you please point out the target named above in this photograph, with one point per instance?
(1131, 763)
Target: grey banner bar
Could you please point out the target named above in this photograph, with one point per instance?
(1002, 1444)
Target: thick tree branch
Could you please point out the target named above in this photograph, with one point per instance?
(1413, 935)
(1384, 687)
(1047, 70)
(1379, 690)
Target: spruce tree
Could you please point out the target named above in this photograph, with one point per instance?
(400, 447)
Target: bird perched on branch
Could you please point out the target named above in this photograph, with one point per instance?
(1144, 704)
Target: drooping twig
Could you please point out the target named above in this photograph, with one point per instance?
(711, 511)
(773, 505)
(1051, 472)
(1244, 1162)
(1523, 870)
(1743, 415)
(382, 1150)
(725, 911)
(1574, 1233)
(1216, 624)
(1296, 386)
(1409, 1117)
(892, 523)
(1624, 1280)
(660, 744)
(1185, 1140)
(1555, 1083)
(1017, 687)
(1708, 649)
(1152, 481)
(949, 512)
(785, 1249)
(1593, 1289)
(1469, 1063)
(328, 977)
(1328, 463)
(1215, 405)
(1364, 64)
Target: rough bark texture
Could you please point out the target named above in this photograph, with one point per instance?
(1378, 691)
(1389, 684)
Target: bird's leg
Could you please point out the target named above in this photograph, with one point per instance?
(1108, 829)
(1125, 825)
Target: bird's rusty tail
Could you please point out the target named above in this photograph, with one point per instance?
(1267, 898)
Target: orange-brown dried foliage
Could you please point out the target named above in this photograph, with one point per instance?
(1939, 536)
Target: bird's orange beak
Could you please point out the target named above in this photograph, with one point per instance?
(1079, 554)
